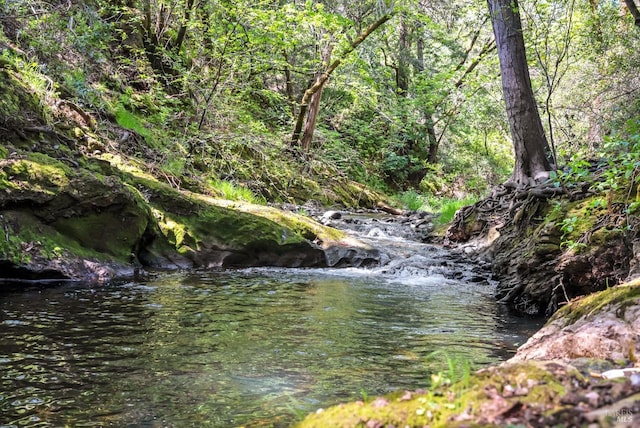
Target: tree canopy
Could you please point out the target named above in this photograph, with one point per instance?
(400, 96)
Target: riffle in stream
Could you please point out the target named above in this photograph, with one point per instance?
(257, 347)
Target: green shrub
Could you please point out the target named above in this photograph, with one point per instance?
(447, 207)
(128, 120)
(411, 200)
(233, 192)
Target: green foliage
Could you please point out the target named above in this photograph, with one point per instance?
(233, 192)
(224, 99)
(616, 171)
(457, 370)
(576, 171)
(447, 207)
(568, 226)
(623, 158)
(128, 120)
(411, 200)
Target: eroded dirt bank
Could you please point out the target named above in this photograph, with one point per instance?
(548, 244)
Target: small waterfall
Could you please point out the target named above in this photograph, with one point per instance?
(403, 241)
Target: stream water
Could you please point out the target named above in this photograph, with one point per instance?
(255, 347)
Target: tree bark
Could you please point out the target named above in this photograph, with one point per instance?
(288, 84)
(633, 9)
(402, 72)
(182, 32)
(529, 141)
(324, 76)
(314, 104)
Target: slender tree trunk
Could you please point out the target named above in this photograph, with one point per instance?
(150, 39)
(314, 104)
(324, 76)
(434, 144)
(288, 84)
(152, 27)
(631, 5)
(402, 72)
(182, 32)
(529, 140)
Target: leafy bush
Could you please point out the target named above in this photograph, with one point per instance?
(447, 207)
(128, 120)
(411, 200)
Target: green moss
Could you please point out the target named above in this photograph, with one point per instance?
(441, 407)
(23, 238)
(39, 174)
(605, 235)
(36, 173)
(130, 121)
(192, 221)
(299, 225)
(572, 225)
(18, 102)
(585, 215)
(83, 213)
(114, 233)
(222, 228)
(623, 295)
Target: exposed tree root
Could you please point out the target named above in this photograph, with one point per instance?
(539, 266)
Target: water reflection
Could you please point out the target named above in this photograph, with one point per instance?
(231, 348)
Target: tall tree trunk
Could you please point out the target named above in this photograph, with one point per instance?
(402, 66)
(631, 5)
(152, 27)
(182, 32)
(314, 104)
(434, 143)
(529, 140)
(324, 76)
(288, 84)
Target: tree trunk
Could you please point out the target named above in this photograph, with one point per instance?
(314, 104)
(182, 32)
(289, 83)
(402, 72)
(631, 5)
(432, 157)
(324, 76)
(529, 141)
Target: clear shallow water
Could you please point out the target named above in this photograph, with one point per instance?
(256, 347)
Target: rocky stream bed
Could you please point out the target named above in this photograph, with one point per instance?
(580, 369)
(63, 223)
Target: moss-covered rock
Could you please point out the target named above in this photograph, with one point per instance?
(18, 103)
(604, 325)
(490, 397)
(56, 213)
(59, 218)
(205, 231)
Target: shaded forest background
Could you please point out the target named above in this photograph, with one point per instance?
(206, 94)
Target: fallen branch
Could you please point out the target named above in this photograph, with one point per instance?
(388, 209)
(49, 131)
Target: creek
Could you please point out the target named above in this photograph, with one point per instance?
(254, 347)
